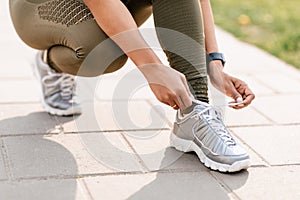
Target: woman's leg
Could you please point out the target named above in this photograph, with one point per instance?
(141, 10)
(177, 22)
(67, 29)
(209, 137)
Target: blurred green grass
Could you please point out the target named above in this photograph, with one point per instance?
(273, 25)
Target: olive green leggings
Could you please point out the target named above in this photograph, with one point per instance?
(68, 31)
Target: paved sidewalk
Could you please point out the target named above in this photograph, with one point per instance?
(126, 155)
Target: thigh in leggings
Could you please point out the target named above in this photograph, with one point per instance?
(67, 29)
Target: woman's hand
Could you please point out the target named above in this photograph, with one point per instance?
(168, 85)
(229, 85)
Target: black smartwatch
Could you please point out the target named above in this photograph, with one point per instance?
(216, 56)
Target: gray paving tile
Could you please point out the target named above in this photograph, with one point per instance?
(42, 189)
(26, 119)
(291, 71)
(153, 148)
(34, 156)
(16, 61)
(9, 31)
(19, 91)
(65, 155)
(116, 115)
(276, 183)
(278, 145)
(4, 8)
(280, 82)
(197, 185)
(258, 87)
(123, 85)
(111, 151)
(280, 108)
(84, 154)
(3, 175)
(16, 49)
(255, 159)
(263, 62)
(244, 117)
(16, 70)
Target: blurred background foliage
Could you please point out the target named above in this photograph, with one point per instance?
(273, 25)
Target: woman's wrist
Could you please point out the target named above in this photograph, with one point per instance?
(214, 66)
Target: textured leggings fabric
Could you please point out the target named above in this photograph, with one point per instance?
(67, 29)
(184, 45)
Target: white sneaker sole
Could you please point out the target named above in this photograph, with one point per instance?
(49, 109)
(59, 112)
(188, 146)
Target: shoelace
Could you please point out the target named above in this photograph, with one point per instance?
(65, 82)
(214, 118)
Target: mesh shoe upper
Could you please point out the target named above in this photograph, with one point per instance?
(204, 126)
(58, 90)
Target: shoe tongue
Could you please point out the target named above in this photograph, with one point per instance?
(199, 108)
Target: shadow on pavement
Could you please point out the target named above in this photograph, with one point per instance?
(33, 123)
(195, 184)
(36, 167)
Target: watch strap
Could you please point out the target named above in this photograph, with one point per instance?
(216, 56)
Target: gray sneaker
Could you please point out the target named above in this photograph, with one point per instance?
(58, 90)
(204, 132)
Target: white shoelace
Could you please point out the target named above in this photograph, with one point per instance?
(66, 84)
(214, 118)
